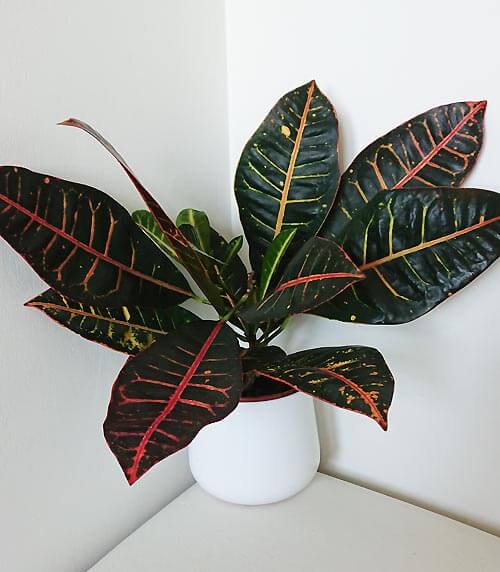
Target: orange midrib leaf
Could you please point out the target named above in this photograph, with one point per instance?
(39, 220)
(293, 159)
(427, 244)
(426, 160)
(316, 277)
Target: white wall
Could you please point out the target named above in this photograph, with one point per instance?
(381, 63)
(151, 76)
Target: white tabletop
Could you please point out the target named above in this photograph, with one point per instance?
(332, 525)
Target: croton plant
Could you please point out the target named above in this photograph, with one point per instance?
(382, 243)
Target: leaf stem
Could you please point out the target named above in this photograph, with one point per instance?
(273, 332)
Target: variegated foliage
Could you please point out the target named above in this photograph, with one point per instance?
(383, 243)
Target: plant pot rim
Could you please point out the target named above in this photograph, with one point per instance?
(270, 397)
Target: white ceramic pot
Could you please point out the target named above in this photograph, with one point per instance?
(263, 452)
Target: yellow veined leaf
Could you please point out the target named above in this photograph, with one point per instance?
(416, 248)
(288, 172)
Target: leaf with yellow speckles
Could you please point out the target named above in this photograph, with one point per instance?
(434, 149)
(128, 329)
(416, 248)
(288, 172)
(352, 377)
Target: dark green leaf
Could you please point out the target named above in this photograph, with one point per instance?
(127, 329)
(83, 243)
(233, 248)
(435, 149)
(319, 271)
(288, 173)
(197, 222)
(273, 257)
(163, 397)
(352, 377)
(232, 275)
(223, 264)
(416, 249)
(146, 221)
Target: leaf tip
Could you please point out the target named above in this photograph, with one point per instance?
(74, 122)
(479, 105)
(70, 121)
(312, 86)
(130, 473)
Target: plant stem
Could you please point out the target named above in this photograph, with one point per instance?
(272, 333)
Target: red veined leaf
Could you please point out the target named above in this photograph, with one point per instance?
(351, 377)
(318, 272)
(83, 243)
(186, 255)
(434, 149)
(163, 397)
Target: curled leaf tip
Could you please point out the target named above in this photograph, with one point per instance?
(69, 121)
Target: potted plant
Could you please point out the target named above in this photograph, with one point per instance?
(382, 244)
